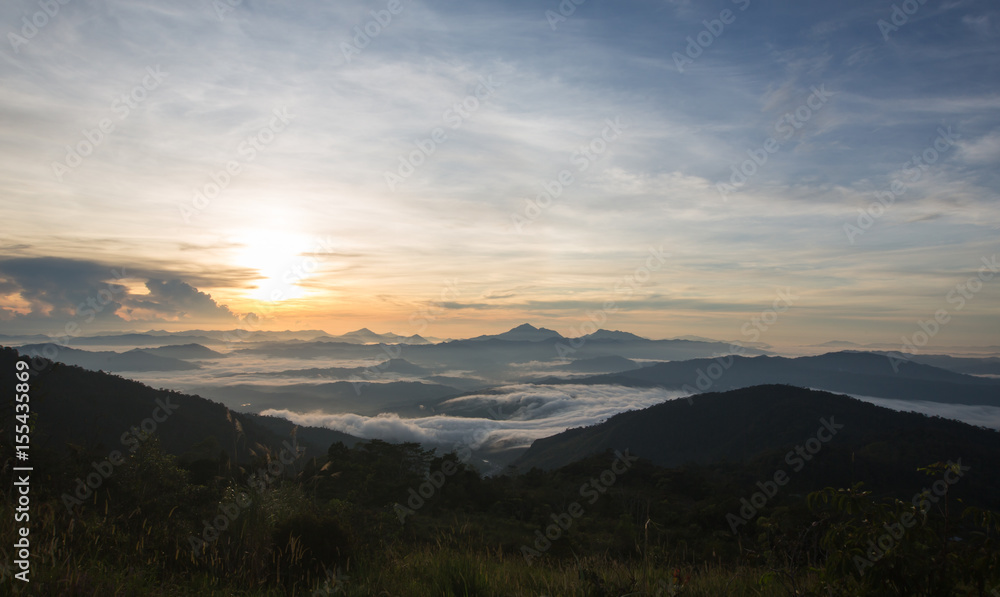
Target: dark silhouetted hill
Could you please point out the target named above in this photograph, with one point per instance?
(71, 405)
(763, 423)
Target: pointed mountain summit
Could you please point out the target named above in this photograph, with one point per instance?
(362, 333)
(523, 333)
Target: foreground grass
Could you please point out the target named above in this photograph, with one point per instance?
(431, 572)
(98, 556)
(425, 571)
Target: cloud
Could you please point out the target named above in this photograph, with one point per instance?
(526, 413)
(982, 151)
(57, 288)
(504, 293)
(177, 299)
(985, 416)
(57, 291)
(523, 413)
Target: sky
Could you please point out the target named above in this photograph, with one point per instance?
(457, 168)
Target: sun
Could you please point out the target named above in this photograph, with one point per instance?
(278, 257)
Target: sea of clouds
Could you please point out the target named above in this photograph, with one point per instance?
(517, 415)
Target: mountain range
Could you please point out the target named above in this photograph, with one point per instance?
(132, 360)
(859, 373)
(366, 336)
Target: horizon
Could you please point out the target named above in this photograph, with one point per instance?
(832, 344)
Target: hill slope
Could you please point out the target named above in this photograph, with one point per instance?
(870, 443)
(99, 410)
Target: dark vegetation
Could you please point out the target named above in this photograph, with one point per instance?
(876, 445)
(343, 520)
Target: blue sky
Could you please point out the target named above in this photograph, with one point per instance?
(315, 140)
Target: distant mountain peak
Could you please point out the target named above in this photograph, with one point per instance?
(603, 334)
(528, 329)
(523, 333)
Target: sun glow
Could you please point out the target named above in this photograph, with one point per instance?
(279, 259)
